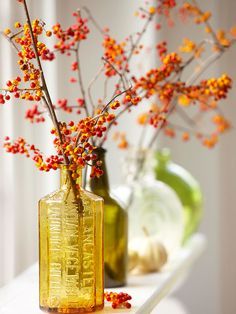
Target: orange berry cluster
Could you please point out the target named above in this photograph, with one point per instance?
(157, 115)
(20, 146)
(118, 300)
(131, 98)
(162, 49)
(149, 83)
(63, 105)
(221, 123)
(170, 132)
(187, 46)
(26, 52)
(211, 141)
(217, 88)
(207, 93)
(3, 98)
(69, 38)
(26, 55)
(122, 140)
(163, 7)
(34, 115)
(115, 53)
(69, 146)
(194, 11)
(75, 141)
(115, 105)
(222, 38)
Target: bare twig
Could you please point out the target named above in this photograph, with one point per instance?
(81, 83)
(185, 129)
(104, 111)
(113, 122)
(211, 59)
(114, 98)
(130, 55)
(92, 19)
(142, 137)
(10, 41)
(210, 28)
(44, 84)
(207, 63)
(185, 116)
(47, 99)
(122, 77)
(91, 84)
(105, 89)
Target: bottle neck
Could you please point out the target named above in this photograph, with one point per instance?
(65, 179)
(100, 186)
(163, 157)
(137, 165)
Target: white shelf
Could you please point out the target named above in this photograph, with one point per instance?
(21, 295)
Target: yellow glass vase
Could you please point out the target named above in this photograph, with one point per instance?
(71, 249)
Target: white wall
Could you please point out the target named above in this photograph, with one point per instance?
(210, 288)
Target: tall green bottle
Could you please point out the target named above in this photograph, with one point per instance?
(115, 230)
(185, 186)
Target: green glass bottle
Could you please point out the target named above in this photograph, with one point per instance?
(186, 187)
(115, 230)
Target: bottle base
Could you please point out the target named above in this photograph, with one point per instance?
(71, 310)
(110, 285)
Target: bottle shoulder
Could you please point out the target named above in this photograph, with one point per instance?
(184, 184)
(92, 196)
(177, 174)
(61, 195)
(56, 195)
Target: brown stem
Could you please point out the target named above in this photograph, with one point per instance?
(185, 129)
(21, 89)
(104, 110)
(90, 87)
(44, 84)
(81, 83)
(117, 72)
(191, 80)
(114, 98)
(211, 59)
(185, 116)
(142, 137)
(154, 137)
(208, 25)
(11, 42)
(105, 89)
(112, 122)
(92, 19)
(133, 47)
(47, 98)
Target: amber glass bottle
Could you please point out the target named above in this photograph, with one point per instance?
(116, 230)
(71, 249)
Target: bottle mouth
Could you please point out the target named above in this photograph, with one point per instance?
(63, 166)
(100, 150)
(163, 154)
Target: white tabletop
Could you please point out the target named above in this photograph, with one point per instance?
(21, 295)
